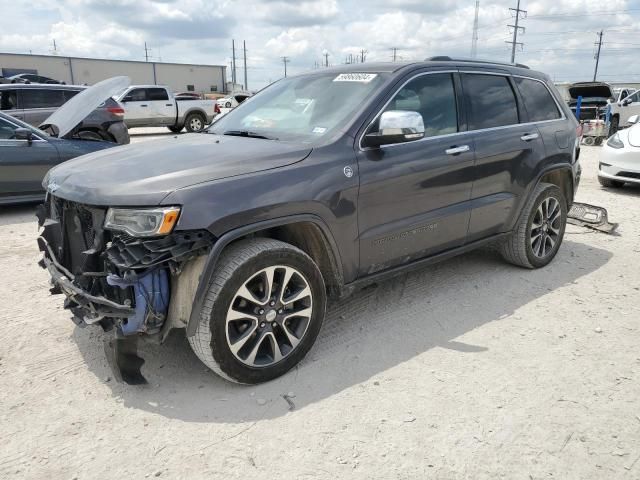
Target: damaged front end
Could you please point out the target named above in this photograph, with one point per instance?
(123, 283)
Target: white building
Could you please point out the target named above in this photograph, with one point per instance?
(75, 70)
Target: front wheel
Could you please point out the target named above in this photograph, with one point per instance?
(614, 126)
(194, 123)
(175, 129)
(262, 313)
(540, 230)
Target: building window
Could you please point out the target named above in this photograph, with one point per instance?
(214, 88)
(191, 88)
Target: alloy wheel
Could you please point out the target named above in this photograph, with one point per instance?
(268, 316)
(546, 227)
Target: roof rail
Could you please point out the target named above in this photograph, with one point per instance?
(446, 58)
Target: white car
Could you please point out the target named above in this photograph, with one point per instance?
(233, 100)
(623, 110)
(620, 157)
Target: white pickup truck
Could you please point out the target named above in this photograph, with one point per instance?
(156, 106)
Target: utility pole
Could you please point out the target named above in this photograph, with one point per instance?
(599, 44)
(146, 52)
(244, 47)
(55, 47)
(285, 60)
(395, 53)
(233, 62)
(516, 29)
(363, 55)
(326, 59)
(474, 37)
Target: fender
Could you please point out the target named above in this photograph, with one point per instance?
(542, 173)
(230, 236)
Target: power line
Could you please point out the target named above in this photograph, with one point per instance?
(516, 29)
(474, 37)
(595, 72)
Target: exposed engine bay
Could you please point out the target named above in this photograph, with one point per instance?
(122, 283)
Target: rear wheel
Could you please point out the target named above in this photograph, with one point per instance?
(262, 313)
(608, 183)
(194, 122)
(540, 230)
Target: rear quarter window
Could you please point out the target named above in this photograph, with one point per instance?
(492, 102)
(537, 100)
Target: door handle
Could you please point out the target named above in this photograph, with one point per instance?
(143, 105)
(457, 150)
(168, 104)
(529, 136)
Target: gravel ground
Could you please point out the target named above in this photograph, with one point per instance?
(471, 369)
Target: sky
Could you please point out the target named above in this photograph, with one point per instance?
(559, 35)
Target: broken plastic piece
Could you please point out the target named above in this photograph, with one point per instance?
(590, 216)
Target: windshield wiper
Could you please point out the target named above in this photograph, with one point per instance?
(247, 133)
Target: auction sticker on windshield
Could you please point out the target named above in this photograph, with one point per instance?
(355, 77)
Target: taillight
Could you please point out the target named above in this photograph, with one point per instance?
(117, 111)
(579, 130)
(216, 108)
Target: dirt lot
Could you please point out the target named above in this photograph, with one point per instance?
(472, 369)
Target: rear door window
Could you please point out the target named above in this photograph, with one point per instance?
(69, 94)
(492, 102)
(41, 98)
(537, 100)
(157, 94)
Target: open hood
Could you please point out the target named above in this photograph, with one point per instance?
(590, 90)
(69, 115)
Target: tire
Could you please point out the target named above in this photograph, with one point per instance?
(227, 105)
(598, 141)
(589, 141)
(221, 327)
(608, 183)
(527, 245)
(195, 122)
(614, 126)
(175, 129)
(90, 135)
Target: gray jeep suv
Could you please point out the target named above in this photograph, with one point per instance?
(319, 184)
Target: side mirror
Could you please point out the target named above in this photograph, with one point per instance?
(626, 102)
(24, 134)
(396, 126)
(633, 119)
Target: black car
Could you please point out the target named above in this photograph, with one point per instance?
(33, 78)
(318, 185)
(34, 103)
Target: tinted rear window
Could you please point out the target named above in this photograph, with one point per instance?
(41, 98)
(157, 94)
(492, 101)
(537, 100)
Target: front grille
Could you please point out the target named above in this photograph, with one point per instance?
(76, 242)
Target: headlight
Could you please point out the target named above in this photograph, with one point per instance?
(615, 142)
(144, 222)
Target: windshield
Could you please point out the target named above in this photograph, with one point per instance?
(304, 109)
